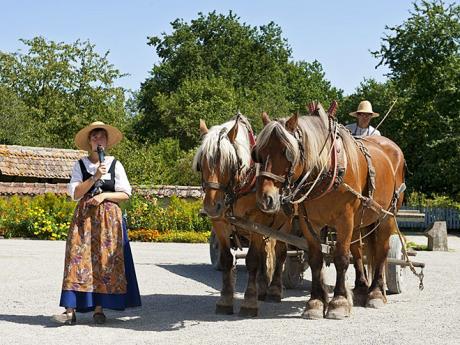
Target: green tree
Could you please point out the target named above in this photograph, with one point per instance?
(63, 87)
(424, 61)
(213, 67)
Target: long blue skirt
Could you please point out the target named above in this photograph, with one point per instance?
(86, 301)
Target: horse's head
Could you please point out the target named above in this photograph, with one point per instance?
(278, 152)
(222, 157)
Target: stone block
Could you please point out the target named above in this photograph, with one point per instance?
(437, 236)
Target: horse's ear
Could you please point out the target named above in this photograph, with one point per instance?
(265, 119)
(291, 124)
(333, 108)
(233, 132)
(203, 127)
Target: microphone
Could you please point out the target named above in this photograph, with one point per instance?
(100, 153)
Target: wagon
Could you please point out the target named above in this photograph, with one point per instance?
(296, 261)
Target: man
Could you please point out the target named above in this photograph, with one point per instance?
(363, 115)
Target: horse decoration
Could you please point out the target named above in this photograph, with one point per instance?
(353, 186)
(228, 177)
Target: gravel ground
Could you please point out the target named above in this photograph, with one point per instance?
(179, 290)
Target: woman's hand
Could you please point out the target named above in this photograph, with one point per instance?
(96, 200)
(101, 170)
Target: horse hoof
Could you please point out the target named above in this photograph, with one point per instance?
(375, 303)
(339, 313)
(248, 312)
(313, 314)
(262, 297)
(224, 309)
(273, 299)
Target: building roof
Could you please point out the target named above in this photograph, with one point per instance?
(38, 162)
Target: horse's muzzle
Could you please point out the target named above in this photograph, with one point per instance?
(268, 203)
(215, 211)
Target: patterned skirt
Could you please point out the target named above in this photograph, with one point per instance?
(99, 268)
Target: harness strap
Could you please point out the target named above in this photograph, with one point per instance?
(272, 176)
(370, 167)
(368, 202)
(214, 185)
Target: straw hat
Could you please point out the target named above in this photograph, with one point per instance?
(114, 135)
(364, 107)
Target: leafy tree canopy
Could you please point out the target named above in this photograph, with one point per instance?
(61, 88)
(424, 60)
(215, 66)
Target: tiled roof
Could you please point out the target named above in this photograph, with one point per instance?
(38, 162)
(23, 188)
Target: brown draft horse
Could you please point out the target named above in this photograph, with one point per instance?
(228, 176)
(357, 206)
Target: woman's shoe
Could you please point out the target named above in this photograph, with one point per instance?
(99, 318)
(65, 318)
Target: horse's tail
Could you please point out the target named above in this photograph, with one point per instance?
(270, 259)
(369, 252)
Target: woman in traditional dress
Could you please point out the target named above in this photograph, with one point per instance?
(99, 270)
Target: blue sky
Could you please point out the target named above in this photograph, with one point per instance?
(339, 34)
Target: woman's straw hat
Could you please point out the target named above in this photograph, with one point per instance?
(364, 107)
(114, 135)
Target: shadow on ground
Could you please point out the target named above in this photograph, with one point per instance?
(169, 312)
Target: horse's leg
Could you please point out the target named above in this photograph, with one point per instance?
(224, 304)
(376, 297)
(275, 291)
(317, 304)
(341, 304)
(250, 306)
(263, 273)
(361, 284)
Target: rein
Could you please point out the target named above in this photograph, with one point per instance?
(288, 197)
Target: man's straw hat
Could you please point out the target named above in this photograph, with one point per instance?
(114, 135)
(364, 107)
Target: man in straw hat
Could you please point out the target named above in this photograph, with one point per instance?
(98, 270)
(364, 114)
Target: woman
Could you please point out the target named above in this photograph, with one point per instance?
(99, 270)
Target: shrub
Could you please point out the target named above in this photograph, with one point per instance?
(436, 200)
(48, 217)
(179, 215)
(44, 217)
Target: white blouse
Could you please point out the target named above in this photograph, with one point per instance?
(121, 180)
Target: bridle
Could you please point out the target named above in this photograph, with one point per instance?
(290, 187)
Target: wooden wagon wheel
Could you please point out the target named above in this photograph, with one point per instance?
(214, 251)
(294, 268)
(395, 275)
(295, 265)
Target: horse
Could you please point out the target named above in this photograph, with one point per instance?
(353, 186)
(228, 177)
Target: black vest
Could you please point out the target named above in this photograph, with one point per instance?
(107, 185)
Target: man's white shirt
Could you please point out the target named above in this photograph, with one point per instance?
(357, 131)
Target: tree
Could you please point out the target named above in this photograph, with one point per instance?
(62, 87)
(424, 61)
(216, 66)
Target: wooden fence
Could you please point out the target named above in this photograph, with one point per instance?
(450, 215)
